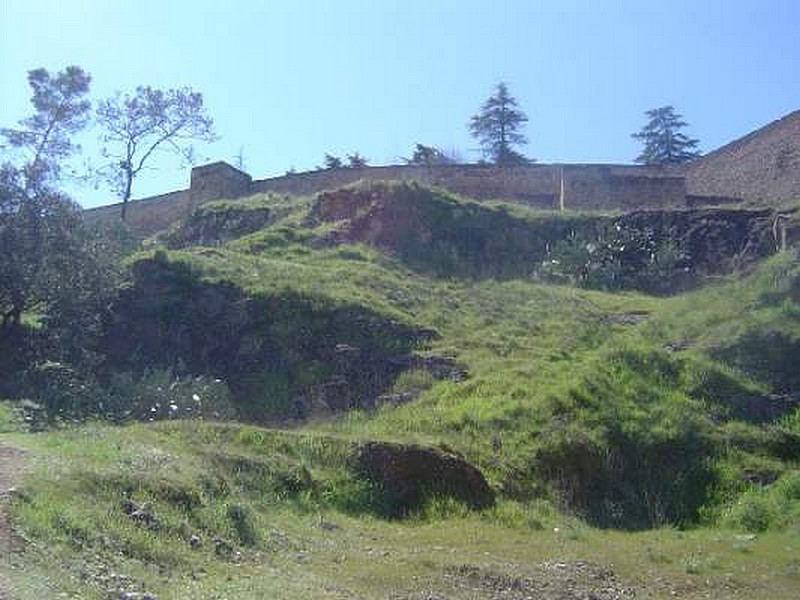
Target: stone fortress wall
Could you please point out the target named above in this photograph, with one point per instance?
(762, 167)
(548, 187)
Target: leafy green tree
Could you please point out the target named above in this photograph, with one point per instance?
(498, 128)
(664, 143)
(428, 156)
(136, 126)
(36, 221)
(53, 263)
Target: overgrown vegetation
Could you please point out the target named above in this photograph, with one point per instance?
(434, 232)
(584, 409)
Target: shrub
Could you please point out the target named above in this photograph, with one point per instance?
(158, 395)
(241, 518)
(752, 513)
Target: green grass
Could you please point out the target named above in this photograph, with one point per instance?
(9, 419)
(606, 441)
(229, 482)
(563, 401)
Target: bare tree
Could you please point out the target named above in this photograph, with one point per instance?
(137, 126)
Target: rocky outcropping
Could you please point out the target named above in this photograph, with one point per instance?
(407, 474)
(269, 348)
(215, 224)
(658, 251)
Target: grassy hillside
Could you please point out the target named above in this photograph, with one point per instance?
(274, 517)
(660, 433)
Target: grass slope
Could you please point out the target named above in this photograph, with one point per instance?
(590, 413)
(265, 533)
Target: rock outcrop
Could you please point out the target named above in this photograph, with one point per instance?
(214, 225)
(408, 474)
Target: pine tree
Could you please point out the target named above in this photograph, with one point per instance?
(136, 126)
(498, 128)
(664, 144)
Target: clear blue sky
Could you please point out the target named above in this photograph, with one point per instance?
(287, 80)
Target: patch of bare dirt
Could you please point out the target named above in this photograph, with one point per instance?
(11, 464)
(546, 581)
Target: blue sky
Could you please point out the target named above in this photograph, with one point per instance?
(287, 81)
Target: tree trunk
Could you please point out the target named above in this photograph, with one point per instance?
(127, 194)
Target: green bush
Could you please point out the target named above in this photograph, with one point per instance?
(158, 395)
(242, 521)
(9, 419)
(775, 506)
(753, 512)
(62, 391)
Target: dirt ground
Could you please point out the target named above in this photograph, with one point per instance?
(11, 463)
(547, 581)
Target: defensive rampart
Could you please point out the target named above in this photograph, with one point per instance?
(762, 167)
(549, 187)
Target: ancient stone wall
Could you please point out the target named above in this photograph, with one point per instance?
(610, 187)
(216, 181)
(761, 167)
(146, 216)
(208, 182)
(549, 187)
(576, 187)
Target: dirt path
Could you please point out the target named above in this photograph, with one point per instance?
(11, 462)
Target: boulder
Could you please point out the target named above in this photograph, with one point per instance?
(407, 474)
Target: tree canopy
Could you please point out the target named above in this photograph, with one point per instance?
(498, 128)
(149, 120)
(663, 141)
(357, 161)
(50, 258)
(428, 156)
(61, 109)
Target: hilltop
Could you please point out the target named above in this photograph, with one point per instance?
(758, 169)
(387, 390)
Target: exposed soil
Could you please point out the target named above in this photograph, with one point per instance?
(658, 251)
(10, 467)
(215, 227)
(407, 473)
(546, 581)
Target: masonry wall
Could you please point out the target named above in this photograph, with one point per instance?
(585, 187)
(611, 187)
(216, 181)
(147, 216)
(762, 167)
(549, 187)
